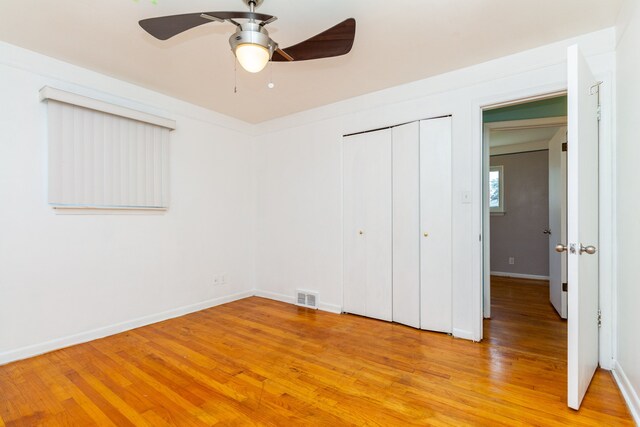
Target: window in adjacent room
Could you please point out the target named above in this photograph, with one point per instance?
(496, 189)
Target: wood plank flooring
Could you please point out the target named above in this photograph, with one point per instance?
(261, 362)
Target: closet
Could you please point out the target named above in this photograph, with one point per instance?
(397, 224)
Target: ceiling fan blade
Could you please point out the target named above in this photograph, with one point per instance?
(165, 27)
(335, 41)
(284, 54)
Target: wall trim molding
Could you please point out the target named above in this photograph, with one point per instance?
(86, 336)
(629, 394)
(519, 275)
(331, 308)
(290, 299)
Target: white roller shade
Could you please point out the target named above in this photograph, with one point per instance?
(99, 159)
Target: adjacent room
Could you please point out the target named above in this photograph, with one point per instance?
(261, 212)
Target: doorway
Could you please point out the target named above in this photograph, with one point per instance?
(525, 178)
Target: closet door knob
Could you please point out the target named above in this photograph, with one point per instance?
(361, 232)
(426, 234)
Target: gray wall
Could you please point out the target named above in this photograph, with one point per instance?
(518, 233)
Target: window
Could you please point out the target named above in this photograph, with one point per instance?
(104, 156)
(496, 189)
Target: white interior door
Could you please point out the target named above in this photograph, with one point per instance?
(435, 225)
(354, 160)
(367, 225)
(486, 225)
(406, 224)
(557, 221)
(582, 206)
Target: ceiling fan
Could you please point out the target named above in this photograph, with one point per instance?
(251, 43)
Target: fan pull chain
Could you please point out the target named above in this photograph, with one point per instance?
(271, 85)
(235, 74)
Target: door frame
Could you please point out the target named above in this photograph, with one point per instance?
(486, 155)
(607, 202)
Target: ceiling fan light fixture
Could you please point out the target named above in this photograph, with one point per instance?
(252, 46)
(252, 57)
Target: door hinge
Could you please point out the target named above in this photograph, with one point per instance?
(599, 318)
(595, 90)
(565, 287)
(564, 146)
(480, 237)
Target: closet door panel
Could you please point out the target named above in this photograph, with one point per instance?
(406, 224)
(367, 225)
(435, 218)
(354, 183)
(378, 226)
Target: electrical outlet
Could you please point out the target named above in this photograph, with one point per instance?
(512, 260)
(216, 279)
(224, 279)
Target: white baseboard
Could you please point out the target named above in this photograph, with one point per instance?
(289, 299)
(331, 308)
(628, 392)
(82, 337)
(519, 275)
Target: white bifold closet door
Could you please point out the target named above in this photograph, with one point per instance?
(368, 225)
(435, 220)
(406, 224)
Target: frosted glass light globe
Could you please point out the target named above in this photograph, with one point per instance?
(252, 57)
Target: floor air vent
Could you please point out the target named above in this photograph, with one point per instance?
(307, 299)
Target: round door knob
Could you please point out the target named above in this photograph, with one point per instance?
(361, 232)
(588, 249)
(561, 248)
(426, 234)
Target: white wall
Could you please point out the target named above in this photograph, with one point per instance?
(70, 278)
(299, 169)
(628, 204)
(266, 210)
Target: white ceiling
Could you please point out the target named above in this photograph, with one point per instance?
(521, 136)
(396, 42)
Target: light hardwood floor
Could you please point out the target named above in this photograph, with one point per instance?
(260, 362)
